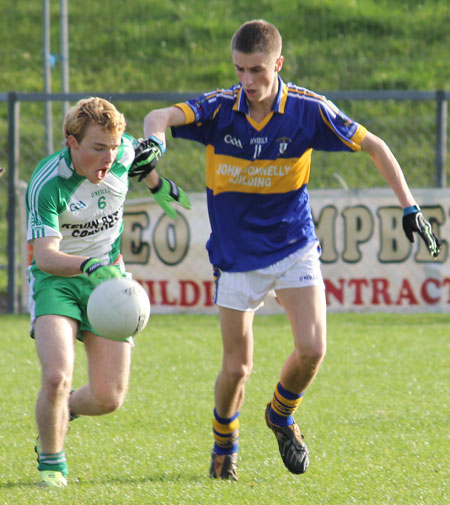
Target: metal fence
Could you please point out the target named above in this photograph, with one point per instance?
(413, 123)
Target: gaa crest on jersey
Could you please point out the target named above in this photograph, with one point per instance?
(74, 206)
(283, 143)
(234, 141)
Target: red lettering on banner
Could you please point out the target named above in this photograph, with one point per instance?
(358, 283)
(337, 292)
(150, 289)
(185, 301)
(183, 293)
(164, 296)
(406, 293)
(358, 292)
(380, 290)
(209, 293)
(426, 295)
(446, 282)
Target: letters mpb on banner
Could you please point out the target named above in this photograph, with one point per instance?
(368, 263)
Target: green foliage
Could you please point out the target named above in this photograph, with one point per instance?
(374, 419)
(148, 45)
(152, 46)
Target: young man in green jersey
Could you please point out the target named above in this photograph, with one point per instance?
(259, 136)
(75, 204)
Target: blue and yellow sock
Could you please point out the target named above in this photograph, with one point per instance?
(284, 404)
(53, 462)
(226, 433)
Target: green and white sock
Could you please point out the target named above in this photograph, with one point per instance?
(53, 462)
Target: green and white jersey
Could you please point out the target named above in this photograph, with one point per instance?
(87, 217)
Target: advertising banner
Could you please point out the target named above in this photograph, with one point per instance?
(368, 263)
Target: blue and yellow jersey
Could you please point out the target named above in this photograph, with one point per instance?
(257, 172)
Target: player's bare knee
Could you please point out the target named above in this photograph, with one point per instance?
(238, 373)
(110, 401)
(312, 354)
(108, 405)
(56, 384)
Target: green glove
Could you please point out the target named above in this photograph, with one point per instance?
(167, 192)
(99, 271)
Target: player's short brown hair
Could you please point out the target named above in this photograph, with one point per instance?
(257, 36)
(92, 111)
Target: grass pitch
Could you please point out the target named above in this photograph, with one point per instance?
(376, 418)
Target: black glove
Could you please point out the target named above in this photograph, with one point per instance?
(146, 156)
(413, 221)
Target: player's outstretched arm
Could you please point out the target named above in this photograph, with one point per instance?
(165, 191)
(153, 146)
(388, 166)
(157, 121)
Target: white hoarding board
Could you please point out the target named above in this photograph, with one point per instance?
(368, 264)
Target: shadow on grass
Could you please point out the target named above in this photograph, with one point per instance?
(161, 477)
(19, 484)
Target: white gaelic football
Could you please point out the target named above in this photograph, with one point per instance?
(118, 308)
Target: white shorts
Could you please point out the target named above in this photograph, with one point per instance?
(245, 291)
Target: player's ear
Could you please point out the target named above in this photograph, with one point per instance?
(279, 64)
(72, 142)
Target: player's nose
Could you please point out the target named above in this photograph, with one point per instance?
(109, 155)
(246, 79)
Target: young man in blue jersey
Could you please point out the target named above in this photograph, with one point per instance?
(75, 204)
(259, 136)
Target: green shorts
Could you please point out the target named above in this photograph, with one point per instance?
(63, 296)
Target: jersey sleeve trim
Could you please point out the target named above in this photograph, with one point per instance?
(188, 112)
(353, 142)
(359, 136)
(43, 231)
